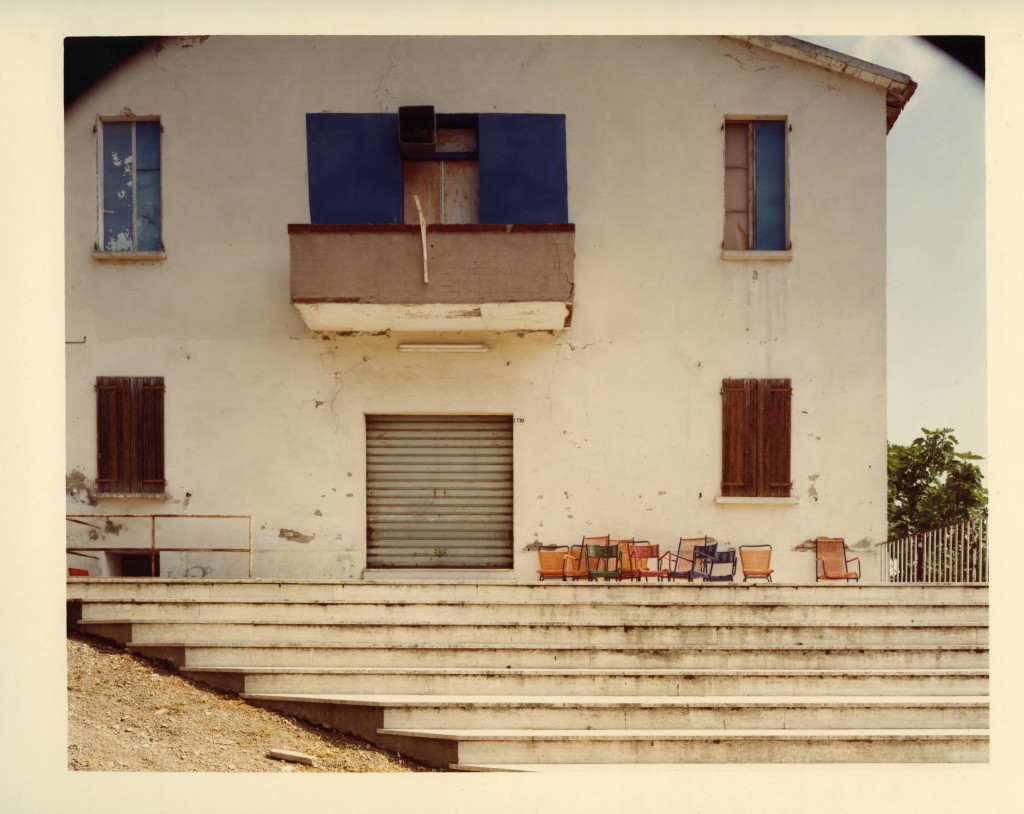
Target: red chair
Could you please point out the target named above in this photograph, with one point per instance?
(640, 555)
(77, 572)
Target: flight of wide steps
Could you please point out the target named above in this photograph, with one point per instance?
(558, 676)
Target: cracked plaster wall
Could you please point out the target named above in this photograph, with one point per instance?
(621, 413)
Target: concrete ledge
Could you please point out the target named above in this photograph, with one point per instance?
(129, 257)
(723, 500)
(438, 574)
(131, 496)
(513, 746)
(728, 254)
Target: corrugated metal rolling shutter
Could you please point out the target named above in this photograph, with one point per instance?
(439, 491)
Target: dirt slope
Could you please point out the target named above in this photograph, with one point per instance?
(127, 714)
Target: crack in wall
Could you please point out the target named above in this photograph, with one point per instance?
(380, 90)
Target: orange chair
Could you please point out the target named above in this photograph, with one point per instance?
(576, 567)
(554, 562)
(756, 561)
(625, 564)
(831, 561)
(640, 555)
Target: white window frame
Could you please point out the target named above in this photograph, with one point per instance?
(762, 254)
(99, 253)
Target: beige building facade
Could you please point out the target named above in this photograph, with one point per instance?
(301, 371)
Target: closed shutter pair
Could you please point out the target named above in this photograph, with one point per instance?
(130, 434)
(756, 430)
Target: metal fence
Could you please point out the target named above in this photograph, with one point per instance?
(153, 549)
(954, 553)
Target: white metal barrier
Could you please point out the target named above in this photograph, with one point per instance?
(954, 553)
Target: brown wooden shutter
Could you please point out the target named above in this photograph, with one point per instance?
(151, 434)
(773, 440)
(738, 411)
(130, 434)
(756, 437)
(107, 434)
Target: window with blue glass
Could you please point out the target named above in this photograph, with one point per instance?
(514, 162)
(755, 186)
(130, 186)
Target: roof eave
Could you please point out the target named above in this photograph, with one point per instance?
(899, 87)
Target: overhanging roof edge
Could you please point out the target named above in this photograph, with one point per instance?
(899, 87)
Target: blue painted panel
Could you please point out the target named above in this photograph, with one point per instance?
(770, 185)
(118, 214)
(523, 176)
(147, 145)
(355, 169)
(147, 202)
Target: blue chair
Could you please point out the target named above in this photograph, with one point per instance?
(706, 568)
(689, 558)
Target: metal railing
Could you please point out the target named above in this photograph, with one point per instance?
(153, 550)
(954, 553)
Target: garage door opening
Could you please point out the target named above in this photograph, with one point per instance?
(439, 491)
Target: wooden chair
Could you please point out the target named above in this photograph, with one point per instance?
(831, 561)
(756, 561)
(554, 562)
(640, 554)
(689, 552)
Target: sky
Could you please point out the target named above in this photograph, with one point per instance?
(936, 243)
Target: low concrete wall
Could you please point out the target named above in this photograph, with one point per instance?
(467, 264)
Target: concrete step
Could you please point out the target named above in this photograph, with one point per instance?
(802, 657)
(349, 712)
(565, 681)
(516, 746)
(647, 633)
(508, 612)
(491, 676)
(369, 591)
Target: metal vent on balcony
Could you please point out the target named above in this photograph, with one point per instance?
(417, 131)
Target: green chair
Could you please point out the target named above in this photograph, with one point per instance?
(603, 561)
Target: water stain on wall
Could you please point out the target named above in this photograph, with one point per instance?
(79, 487)
(295, 536)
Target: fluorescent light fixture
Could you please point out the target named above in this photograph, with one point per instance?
(443, 348)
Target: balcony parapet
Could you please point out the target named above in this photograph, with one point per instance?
(369, 277)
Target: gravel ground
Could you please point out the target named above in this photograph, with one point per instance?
(129, 714)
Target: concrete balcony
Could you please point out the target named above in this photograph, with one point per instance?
(516, 277)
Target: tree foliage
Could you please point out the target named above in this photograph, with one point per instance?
(931, 484)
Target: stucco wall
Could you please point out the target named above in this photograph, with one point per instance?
(621, 429)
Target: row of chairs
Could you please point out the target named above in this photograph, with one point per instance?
(694, 558)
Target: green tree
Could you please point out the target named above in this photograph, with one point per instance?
(931, 484)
